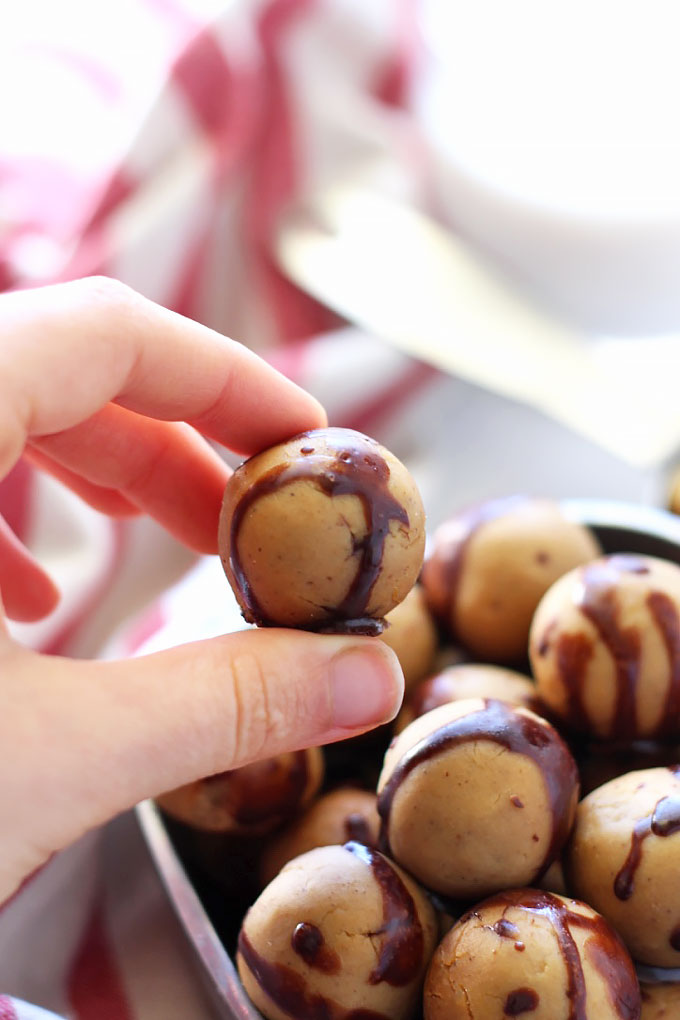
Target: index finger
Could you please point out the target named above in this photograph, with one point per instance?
(67, 350)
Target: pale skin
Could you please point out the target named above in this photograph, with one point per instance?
(97, 385)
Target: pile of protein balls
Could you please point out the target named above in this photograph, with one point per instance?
(448, 892)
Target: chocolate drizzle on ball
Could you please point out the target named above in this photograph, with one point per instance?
(308, 942)
(663, 821)
(358, 471)
(602, 944)
(522, 1000)
(289, 991)
(401, 953)
(512, 729)
(665, 615)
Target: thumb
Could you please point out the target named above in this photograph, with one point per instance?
(92, 739)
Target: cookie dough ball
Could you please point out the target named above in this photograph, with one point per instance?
(623, 859)
(413, 636)
(660, 1002)
(490, 566)
(477, 796)
(338, 817)
(251, 800)
(471, 680)
(605, 648)
(325, 531)
(340, 932)
(531, 953)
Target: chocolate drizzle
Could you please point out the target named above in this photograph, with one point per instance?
(500, 723)
(401, 954)
(356, 470)
(663, 821)
(665, 615)
(522, 1000)
(604, 947)
(290, 992)
(308, 942)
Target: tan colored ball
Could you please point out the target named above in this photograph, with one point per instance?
(254, 799)
(468, 680)
(660, 1002)
(337, 817)
(476, 796)
(340, 932)
(529, 953)
(624, 859)
(412, 635)
(490, 567)
(605, 648)
(325, 531)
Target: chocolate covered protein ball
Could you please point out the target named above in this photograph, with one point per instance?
(341, 932)
(660, 1002)
(490, 566)
(341, 816)
(529, 953)
(411, 633)
(624, 859)
(325, 531)
(477, 796)
(254, 799)
(468, 680)
(605, 648)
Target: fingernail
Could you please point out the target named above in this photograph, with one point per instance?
(366, 687)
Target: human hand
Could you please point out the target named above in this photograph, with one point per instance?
(95, 383)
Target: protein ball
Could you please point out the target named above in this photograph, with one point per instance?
(490, 566)
(605, 648)
(623, 858)
(341, 816)
(468, 680)
(531, 953)
(325, 531)
(477, 796)
(412, 635)
(251, 800)
(660, 1002)
(340, 932)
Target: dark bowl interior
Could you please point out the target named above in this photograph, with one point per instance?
(210, 912)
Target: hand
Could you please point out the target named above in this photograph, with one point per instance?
(94, 382)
